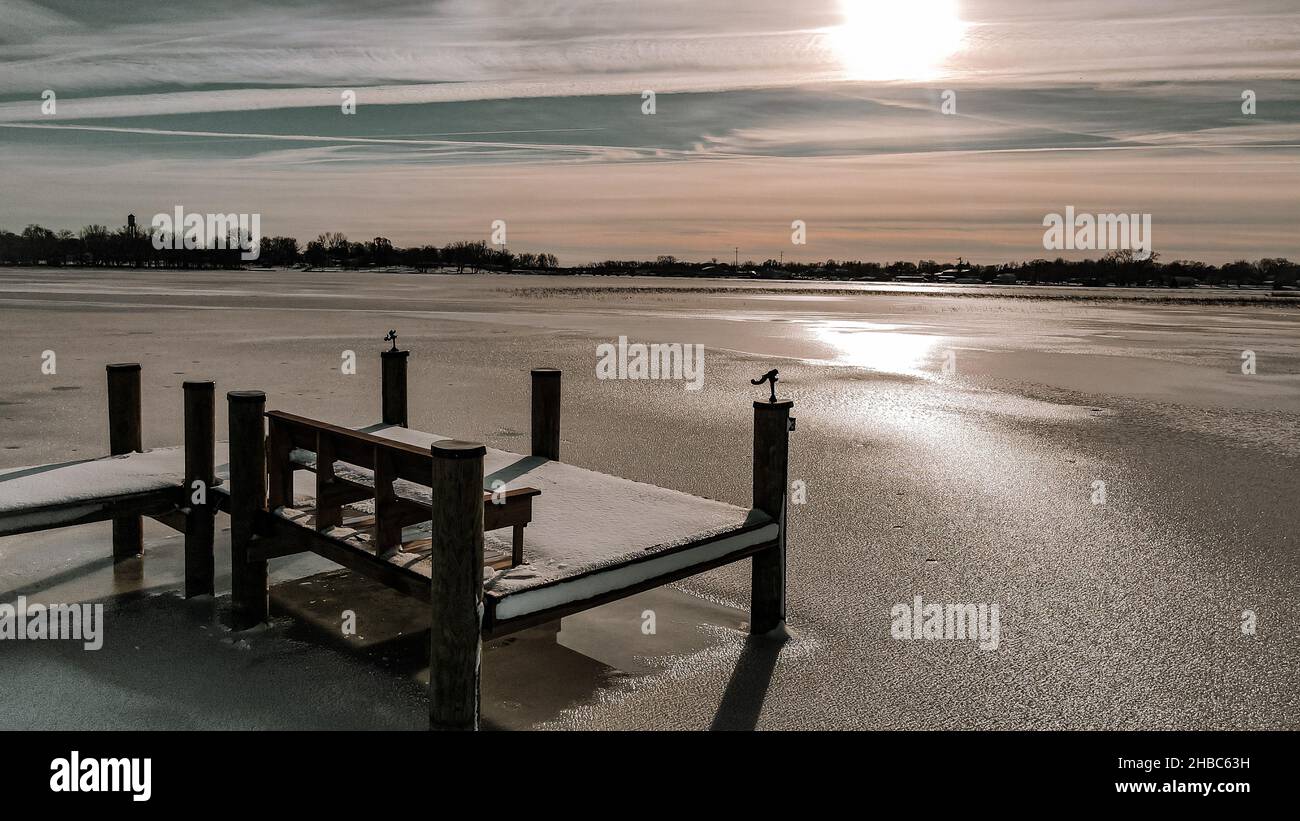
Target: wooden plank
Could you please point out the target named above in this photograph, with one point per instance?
(329, 505)
(175, 518)
(388, 523)
(357, 447)
(219, 498)
(147, 503)
(495, 559)
(418, 546)
(493, 628)
(297, 538)
(517, 545)
(515, 507)
(279, 481)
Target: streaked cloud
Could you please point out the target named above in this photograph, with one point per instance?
(538, 101)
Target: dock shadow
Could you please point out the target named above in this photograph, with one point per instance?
(23, 473)
(71, 574)
(514, 470)
(742, 701)
(528, 678)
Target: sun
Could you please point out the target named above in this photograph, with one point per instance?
(896, 39)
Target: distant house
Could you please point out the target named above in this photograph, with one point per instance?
(1006, 279)
(961, 275)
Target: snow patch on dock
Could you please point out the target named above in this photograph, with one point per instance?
(87, 481)
(585, 521)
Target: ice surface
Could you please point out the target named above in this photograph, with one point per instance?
(973, 486)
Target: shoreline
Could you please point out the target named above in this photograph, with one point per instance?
(587, 284)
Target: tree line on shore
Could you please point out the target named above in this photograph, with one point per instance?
(130, 246)
(1122, 268)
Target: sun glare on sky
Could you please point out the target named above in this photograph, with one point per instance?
(896, 39)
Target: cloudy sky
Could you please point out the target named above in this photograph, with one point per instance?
(765, 112)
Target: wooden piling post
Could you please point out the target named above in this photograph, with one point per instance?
(124, 437)
(247, 497)
(456, 585)
(200, 467)
(771, 473)
(546, 413)
(393, 387)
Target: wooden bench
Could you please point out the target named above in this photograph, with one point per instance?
(353, 466)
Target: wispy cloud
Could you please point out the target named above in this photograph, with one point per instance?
(470, 108)
(259, 55)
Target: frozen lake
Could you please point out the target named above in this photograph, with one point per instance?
(950, 448)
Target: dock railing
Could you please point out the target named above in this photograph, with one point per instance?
(333, 453)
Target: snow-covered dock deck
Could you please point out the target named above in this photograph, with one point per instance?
(580, 537)
(592, 534)
(40, 497)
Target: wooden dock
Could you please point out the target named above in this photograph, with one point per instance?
(495, 541)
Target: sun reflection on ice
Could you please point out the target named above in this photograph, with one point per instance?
(878, 347)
